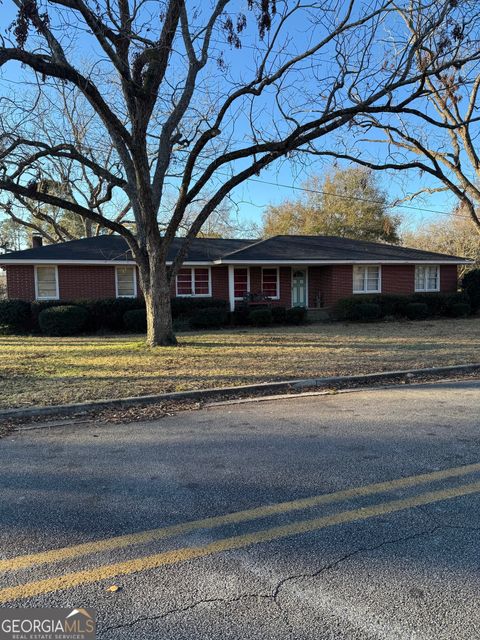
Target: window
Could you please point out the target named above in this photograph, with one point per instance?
(240, 283)
(366, 279)
(427, 278)
(270, 282)
(193, 281)
(46, 283)
(126, 279)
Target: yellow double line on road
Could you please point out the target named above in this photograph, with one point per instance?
(78, 578)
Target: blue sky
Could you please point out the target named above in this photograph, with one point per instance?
(254, 195)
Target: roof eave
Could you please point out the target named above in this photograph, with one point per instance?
(329, 262)
(32, 261)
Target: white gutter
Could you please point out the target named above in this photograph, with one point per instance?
(330, 262)
(5, 263)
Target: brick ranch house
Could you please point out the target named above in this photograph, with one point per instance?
(310, 271)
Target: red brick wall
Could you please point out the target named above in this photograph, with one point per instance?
(20, 282)
(318, 284)
(325, 283)
(255, 279)
(398, 278)
(77, 282)
(285, 287)
(334, 282)
(220, 282)
(448, 278)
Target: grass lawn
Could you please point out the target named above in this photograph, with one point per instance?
(45, 371)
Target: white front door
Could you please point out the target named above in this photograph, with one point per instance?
(299, 288)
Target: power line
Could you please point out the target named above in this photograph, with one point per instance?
(337, 195)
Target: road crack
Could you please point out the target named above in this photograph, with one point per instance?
(193, 605)
(274, 595)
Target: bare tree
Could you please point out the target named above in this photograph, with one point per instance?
(440, 140)
(197, 99)
(454, 235)
(56, 172)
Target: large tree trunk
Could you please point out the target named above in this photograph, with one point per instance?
(156, 290)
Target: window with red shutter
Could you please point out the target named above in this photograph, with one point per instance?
(270, 282)
(240, 282)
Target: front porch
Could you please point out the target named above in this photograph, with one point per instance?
(309, 286)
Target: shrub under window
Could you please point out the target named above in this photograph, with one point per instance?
(65, 320)
(14, 316)
(261, 317)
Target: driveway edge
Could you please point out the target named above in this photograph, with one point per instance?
(235, 392)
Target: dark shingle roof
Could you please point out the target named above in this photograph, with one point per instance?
(320, 248)
(277, 249)
(114, 247)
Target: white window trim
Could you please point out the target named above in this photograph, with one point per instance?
(424, 289)
(135, 291)
(57, 294)
(248, 280)
(364, 291)
(277, 297)
(192, 276)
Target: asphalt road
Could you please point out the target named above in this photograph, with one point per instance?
(353, 516)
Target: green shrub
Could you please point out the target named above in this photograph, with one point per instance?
(296, 315)
(185, 307)
(345, 307)
(367, 312)
(261, 317)
(459, 310)
(279, 315)
(135, 320)
(181, 324)
(471, 286)
(438, 304)
(389, 303)
(361, 308)
(209, 318)
(15, 316)
(108, 313)
(351, 308)
(240, 316)
(39, 305)
(64, 320)
(417, 311)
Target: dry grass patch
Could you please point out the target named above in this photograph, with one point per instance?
(46, 371)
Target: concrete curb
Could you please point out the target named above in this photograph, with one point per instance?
(211, 394)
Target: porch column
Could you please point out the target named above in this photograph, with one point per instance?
(231, 287)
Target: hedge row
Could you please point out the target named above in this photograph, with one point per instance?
(17, 316)
(59, 318)
(216, 317)
(418, 306)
